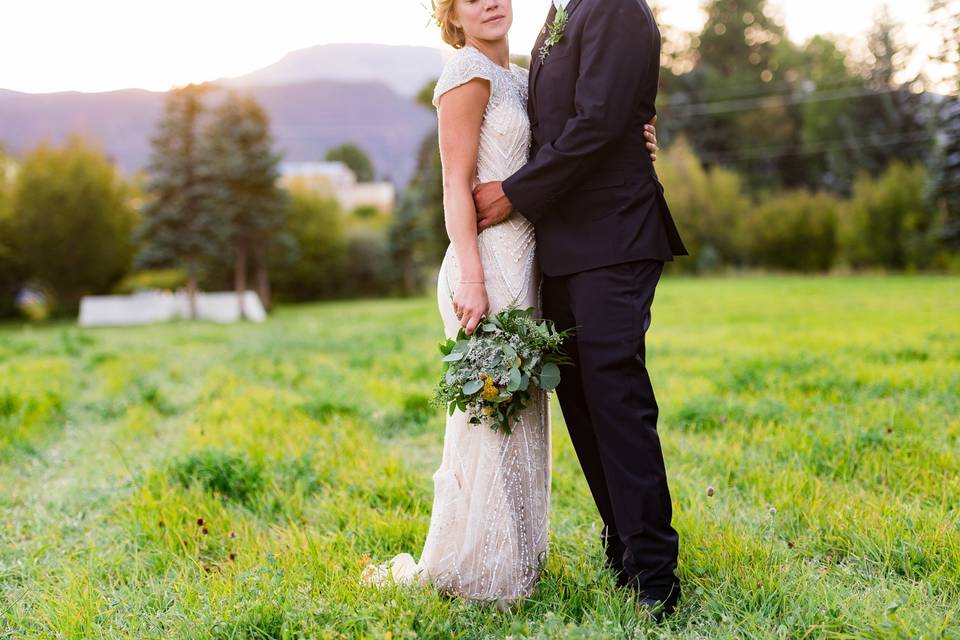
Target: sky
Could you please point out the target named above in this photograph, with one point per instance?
(102, 45)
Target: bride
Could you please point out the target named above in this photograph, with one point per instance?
(488, 528)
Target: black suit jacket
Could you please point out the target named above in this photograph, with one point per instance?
(590, 188)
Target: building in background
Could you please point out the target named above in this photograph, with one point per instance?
(336, 180)
(8, 169)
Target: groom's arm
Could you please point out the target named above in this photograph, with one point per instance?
(614, 54)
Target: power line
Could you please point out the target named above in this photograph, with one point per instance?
(813, 148)
(751, 89)
(766, 102)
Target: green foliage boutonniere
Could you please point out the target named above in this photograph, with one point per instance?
(554, 33)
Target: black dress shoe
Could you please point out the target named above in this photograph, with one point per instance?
(658, 606)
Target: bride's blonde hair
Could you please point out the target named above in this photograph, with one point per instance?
(444, 12)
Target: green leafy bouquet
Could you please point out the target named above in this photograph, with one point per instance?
(490, 374)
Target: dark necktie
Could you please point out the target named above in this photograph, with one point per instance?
(546, 27)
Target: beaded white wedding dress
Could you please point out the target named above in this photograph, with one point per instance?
(488, 527)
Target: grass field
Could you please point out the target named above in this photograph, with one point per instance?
(196, 481)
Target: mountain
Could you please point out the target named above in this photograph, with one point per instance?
(307, 119)
(121, 121)
(405, 69)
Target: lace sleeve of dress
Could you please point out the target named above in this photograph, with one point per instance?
(465, 65)
(524, 75)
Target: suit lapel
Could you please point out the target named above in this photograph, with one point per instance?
(535, 63)
(535, 54)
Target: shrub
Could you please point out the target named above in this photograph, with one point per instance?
(888, 223)
(166, 279)
(315, 266)
(368, 264)
(365, 212)
(71, 223)
(706, 204)
(12, 273)
(796, 231)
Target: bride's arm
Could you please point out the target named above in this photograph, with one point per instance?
(460, 113)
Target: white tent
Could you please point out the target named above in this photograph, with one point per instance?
(155, 306)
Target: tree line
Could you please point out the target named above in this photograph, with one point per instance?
(863, 131)
(778, 155)
(208, 213)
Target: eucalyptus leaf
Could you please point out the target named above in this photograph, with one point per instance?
(549, 377)
(515, 380)
(524, 382)
(514, 345)
(472, 387)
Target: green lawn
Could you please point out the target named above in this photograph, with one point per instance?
(196, 481)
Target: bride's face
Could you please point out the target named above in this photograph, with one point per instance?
(485, 19)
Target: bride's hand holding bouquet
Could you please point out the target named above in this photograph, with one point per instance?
(489, 374)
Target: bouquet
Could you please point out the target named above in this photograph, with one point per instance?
(489, 375)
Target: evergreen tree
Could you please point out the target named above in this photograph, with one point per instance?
(240, 175)
(945, 16)
(355, 158)
(739, 41)
(405, 238)
(418, 235)
(180, 228)
(735, 103)
(944, 187)
(792, 116)
(892, 121)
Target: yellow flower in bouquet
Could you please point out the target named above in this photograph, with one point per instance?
(490, 390)
(490, 374)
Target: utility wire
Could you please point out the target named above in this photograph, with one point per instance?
(754, 88)
(812, 148)
(770, 101)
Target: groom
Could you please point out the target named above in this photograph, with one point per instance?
(603, 234)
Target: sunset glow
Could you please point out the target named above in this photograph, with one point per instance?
(102, 45)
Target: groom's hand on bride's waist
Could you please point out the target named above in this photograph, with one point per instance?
(493, 206)
(650, 134)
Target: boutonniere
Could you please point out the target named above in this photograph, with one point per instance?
(554, 33)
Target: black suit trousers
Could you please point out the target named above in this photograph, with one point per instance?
(611, 413)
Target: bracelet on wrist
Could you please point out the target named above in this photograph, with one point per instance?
(472, 282)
